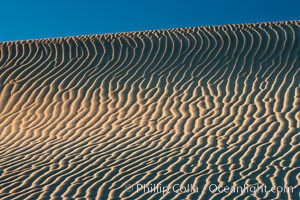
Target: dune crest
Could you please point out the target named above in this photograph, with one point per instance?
(86, 117)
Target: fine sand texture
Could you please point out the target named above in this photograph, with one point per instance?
(102, 116)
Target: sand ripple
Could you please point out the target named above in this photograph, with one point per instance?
(84, 117)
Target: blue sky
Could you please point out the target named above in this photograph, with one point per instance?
(34, 19)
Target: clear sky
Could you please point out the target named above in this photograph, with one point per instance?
(34, 19)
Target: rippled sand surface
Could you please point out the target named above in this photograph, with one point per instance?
(96, 117)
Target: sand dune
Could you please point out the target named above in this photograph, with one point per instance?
(91, 117)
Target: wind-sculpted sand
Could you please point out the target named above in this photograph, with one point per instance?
(97, 117)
